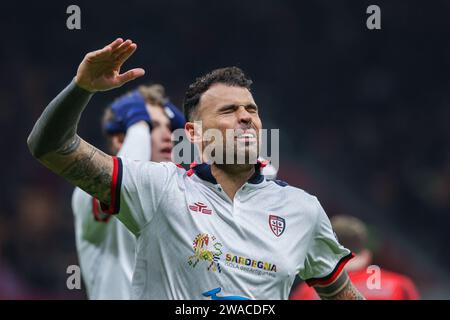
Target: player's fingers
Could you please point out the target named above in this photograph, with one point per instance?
(106, 50)
(99, 53)
(130, 75)
(125, 55)
(115, 44)
(121, 48)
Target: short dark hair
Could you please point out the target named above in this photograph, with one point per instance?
(232, 76)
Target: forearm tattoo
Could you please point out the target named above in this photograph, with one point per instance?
(88, 168)
(349, 292)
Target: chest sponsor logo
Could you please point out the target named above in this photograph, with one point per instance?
(210, 252)
(200, 207)
(277, 225)
(207, 249)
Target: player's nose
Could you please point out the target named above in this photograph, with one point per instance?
(167, 134)
(243, 115)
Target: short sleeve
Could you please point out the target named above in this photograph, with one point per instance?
(137, 189)
(325, 257)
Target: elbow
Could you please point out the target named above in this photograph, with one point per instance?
(35, 145)
(32, 145)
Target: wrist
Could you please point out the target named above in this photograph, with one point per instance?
(80, 86)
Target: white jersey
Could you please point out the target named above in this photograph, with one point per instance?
(106, 249)
(194, 242)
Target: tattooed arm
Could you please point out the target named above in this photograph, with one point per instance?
(341, 288)
(349, 292)
(82, 165)
(53, 140)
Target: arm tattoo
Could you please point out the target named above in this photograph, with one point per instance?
(349, 292)
(84, 166)
(91, 170)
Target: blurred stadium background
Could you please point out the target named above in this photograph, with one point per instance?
(363, 115)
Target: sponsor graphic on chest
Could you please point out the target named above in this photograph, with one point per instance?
(210, 253)
(206, 249)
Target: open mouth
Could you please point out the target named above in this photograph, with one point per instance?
(246, 137)
(166, 151)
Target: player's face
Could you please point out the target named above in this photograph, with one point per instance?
(225, 107)
(161, 135)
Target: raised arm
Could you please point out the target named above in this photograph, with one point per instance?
(54, 141)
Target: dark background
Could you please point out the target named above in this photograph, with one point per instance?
(363, 115)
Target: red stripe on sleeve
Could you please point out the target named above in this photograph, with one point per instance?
(113, 207)
(333, 275)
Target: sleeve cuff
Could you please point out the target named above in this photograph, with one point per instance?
(116, 183)
(79, 91)
(333, 275)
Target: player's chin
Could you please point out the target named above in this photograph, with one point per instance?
(247, 154)
(248, 146)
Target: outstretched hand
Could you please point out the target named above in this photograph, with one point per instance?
(100, 69)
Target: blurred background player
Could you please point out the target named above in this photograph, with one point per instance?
(138, 126)
(352, 233)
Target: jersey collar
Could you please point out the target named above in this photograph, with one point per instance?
(203, 171)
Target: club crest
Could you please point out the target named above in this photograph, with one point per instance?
(277, 225)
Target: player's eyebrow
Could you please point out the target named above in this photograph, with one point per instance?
(158, 123)
(233, 107)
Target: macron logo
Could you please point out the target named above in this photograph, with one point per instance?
(200, 207)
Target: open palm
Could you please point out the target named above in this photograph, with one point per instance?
(100, 69)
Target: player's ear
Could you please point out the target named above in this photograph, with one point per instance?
(194, 131)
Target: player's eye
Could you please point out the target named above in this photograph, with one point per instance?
(228, 109)
(252, 109)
